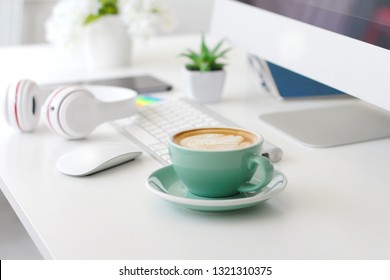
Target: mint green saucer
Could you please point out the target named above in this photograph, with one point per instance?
(165, 183)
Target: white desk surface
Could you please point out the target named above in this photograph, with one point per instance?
(336, 204)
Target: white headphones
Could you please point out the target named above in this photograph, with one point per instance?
(72, 112)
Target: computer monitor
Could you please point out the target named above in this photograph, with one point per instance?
(344, 44)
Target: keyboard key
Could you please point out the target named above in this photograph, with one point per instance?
(139, 133)
(153, 125)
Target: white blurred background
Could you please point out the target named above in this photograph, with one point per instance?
(22, 22)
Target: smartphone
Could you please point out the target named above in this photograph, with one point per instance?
(141, 84)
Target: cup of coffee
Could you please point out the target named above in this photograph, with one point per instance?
(220, 161)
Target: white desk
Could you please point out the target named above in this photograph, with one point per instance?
(336, 204)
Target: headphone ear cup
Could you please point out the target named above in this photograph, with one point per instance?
(23, 105)
(9, 103)
(72, 112)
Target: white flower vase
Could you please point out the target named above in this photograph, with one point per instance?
(107, 43)
(205, 87)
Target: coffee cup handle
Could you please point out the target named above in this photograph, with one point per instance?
(266, 170)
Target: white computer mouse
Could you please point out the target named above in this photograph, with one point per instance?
(93, 158)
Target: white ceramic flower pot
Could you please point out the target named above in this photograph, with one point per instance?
(205, 87)
(107, 43)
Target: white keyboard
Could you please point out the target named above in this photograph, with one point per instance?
(153, 124)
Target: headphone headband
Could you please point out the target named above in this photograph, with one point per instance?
(72, 111)
(116, 102)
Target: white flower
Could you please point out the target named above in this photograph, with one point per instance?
(142, 17)
(64, 26)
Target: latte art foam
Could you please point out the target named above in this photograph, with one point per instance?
(216, 139)
(214, 142)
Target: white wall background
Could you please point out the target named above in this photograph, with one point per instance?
(11, 13)
(24, 23)
(191, 15)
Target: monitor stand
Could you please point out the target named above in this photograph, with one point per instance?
(333, 126)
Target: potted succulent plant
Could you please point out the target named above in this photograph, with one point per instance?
(205, 74)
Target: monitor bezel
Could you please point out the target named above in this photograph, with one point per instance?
(352, 66)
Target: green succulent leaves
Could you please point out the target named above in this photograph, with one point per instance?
(109, 7)
(206, 60)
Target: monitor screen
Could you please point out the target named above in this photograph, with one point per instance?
(368, 21)
(343, 44)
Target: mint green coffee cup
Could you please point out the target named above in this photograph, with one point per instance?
(219, 162)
